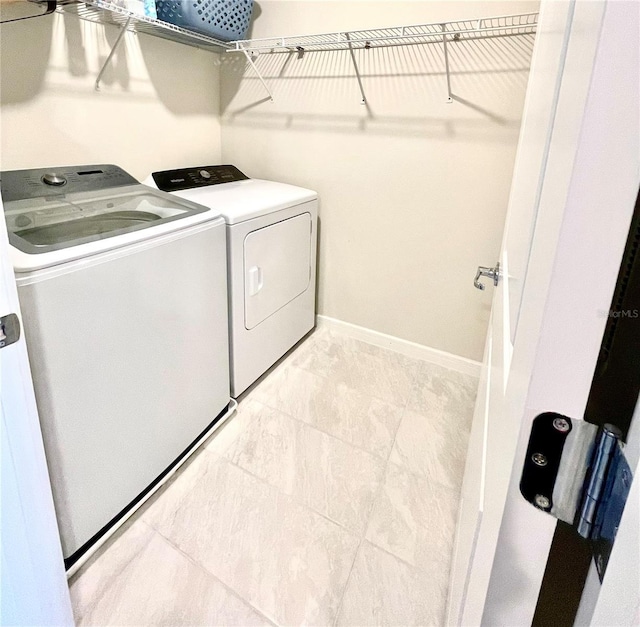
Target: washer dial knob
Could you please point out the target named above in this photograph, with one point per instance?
(51, 178)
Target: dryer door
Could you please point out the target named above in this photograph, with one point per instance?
(277, 267)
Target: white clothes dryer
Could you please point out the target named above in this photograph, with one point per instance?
(271, 258)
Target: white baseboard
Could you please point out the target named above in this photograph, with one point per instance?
(404, 347)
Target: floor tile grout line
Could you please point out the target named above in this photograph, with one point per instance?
(306, 344)
(413, 473)
(328, 378)
(363, 538)
(102, 589)
(295, 500)
(332, 335)
(386, 470)
(346, 583)
(139, 515)
(222, 457)
(204, 569)
(202, 455)
(419, 360)
(404, 467)
(422, 360)
(382, 483)
(330, 435)
(233, 439)
(406, 563)
(316, 428)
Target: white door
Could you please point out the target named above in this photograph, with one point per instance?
(493, 434)
(558, 108)
(34, 586)
(277, 267)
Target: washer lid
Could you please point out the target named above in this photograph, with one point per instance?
(242, 200)
(42, 225)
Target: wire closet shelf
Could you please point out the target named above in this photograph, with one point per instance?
(446, 33)
(440, 32)
(104, 12)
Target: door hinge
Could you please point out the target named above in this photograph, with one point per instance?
(9, 330)
(577, 472)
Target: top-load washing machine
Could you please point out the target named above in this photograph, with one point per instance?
(123, 291)
(271, 252)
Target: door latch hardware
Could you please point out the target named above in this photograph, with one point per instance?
(9, 330)
(584, 481)
(491, 273)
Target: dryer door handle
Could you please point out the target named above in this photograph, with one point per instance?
(255, 280)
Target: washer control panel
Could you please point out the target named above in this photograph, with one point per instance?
(43, 182)
(201, 176)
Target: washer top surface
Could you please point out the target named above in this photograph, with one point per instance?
(59, 215)
(230, 193)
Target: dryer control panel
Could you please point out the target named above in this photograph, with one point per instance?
(202, 176)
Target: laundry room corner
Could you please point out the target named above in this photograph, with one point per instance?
(403, 177)
(157, 105)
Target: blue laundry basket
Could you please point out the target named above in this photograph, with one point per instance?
(227, 20)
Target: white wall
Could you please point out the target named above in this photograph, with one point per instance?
(158, 106)
(413, 190)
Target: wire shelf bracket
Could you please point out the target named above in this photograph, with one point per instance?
(363, 101)
(247, 54)
(446, 64)
(107, 12)
(123, 30)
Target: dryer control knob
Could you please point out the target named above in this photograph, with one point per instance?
(50, 178)
(204, 174)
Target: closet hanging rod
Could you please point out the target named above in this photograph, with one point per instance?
(501, 26)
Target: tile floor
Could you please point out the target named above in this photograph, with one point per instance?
(330, 498)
